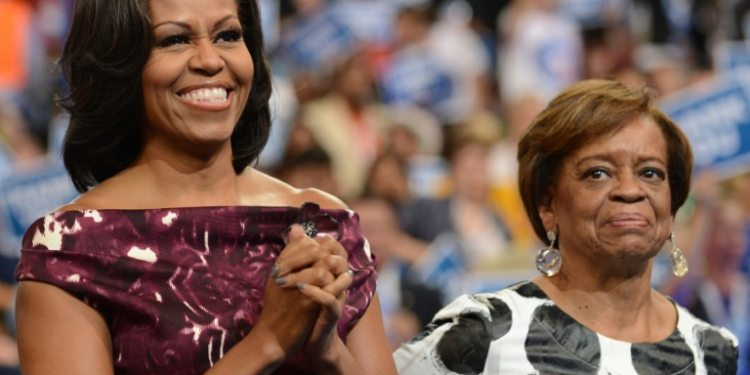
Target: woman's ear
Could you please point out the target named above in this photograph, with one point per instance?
(547, 213)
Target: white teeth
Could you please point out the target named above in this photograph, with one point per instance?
(214, 95)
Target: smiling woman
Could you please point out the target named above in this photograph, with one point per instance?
(602, 173)
(179, 258)
(199, 75)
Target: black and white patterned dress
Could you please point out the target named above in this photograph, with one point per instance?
(520, 331)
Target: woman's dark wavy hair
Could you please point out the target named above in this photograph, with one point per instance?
(102, 61)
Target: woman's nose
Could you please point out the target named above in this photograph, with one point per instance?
(628, 189)
(207, 60)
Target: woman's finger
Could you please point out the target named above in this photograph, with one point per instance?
(303, 251)
(341, 284)
(314, 275)
(299, 254)
(318, 295)
(334, 264)
(332, 245)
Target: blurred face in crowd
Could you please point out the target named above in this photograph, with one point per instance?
(727, 241)
(312, 175)
(355, 81)
(412, 27)
(198, 78)
(379, 225)
(469, 170)
(612, 198)
(388, 180)
(308, 6)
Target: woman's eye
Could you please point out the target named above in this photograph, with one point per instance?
(228, 36)
(596, 174)
(652, 173)
(174, 40)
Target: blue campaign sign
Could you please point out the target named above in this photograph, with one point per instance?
(715, 116)
(414, 77)
(317, 40)
(732, 56)
(370, 21)
(593, 13)
(28, 195)
(269, 15)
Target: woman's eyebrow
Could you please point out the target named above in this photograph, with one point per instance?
(605, 158)
(185, 25)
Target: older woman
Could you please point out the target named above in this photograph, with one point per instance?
(177, 258)
(602, 173)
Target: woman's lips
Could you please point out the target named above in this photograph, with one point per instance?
(628, 220)
(216, 103)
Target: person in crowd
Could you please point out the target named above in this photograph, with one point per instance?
(348, 123)
(602, 173)
(407, 304)
(482, 235)
(309, 169)
(541, 51)
(719, 292)
(178, 258)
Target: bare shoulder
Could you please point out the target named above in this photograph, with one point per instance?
(323, 199)
(264, 190)
(90, 200)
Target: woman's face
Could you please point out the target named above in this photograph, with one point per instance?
(612, 200)
(198, 78)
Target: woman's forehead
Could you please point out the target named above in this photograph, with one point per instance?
(185, 10)
(640, 139)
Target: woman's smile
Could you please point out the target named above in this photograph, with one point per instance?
(199, 76)
(209, 96)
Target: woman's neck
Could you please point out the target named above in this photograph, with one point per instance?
(623, 307)
(163, 179)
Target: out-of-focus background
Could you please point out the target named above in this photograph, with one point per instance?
(411, 110)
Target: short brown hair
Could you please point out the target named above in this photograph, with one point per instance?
(579, 115)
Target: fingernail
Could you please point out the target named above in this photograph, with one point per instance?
(301, 285)
(275, 271)
(281, 280)
(351, 272)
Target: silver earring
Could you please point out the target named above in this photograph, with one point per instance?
(679, 263)
(548, 259)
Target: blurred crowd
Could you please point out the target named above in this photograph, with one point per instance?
(411, 110)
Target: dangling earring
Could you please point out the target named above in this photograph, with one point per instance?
(679, 263)
(548, 259)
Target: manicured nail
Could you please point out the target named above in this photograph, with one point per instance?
(301, 285)
(275, 271)
(351, 272)
(281, 280)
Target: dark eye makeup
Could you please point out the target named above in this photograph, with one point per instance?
(225, 36)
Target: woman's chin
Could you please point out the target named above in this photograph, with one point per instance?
(633, 248)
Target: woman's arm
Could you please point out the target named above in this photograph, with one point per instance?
(368, 344)
(366, 350)
(59, 334)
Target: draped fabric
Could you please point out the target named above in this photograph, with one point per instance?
(179, 287)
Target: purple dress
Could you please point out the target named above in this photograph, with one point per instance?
(179, 287)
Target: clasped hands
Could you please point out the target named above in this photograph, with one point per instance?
(305, 295)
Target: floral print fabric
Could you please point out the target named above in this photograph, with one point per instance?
(179, 287)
